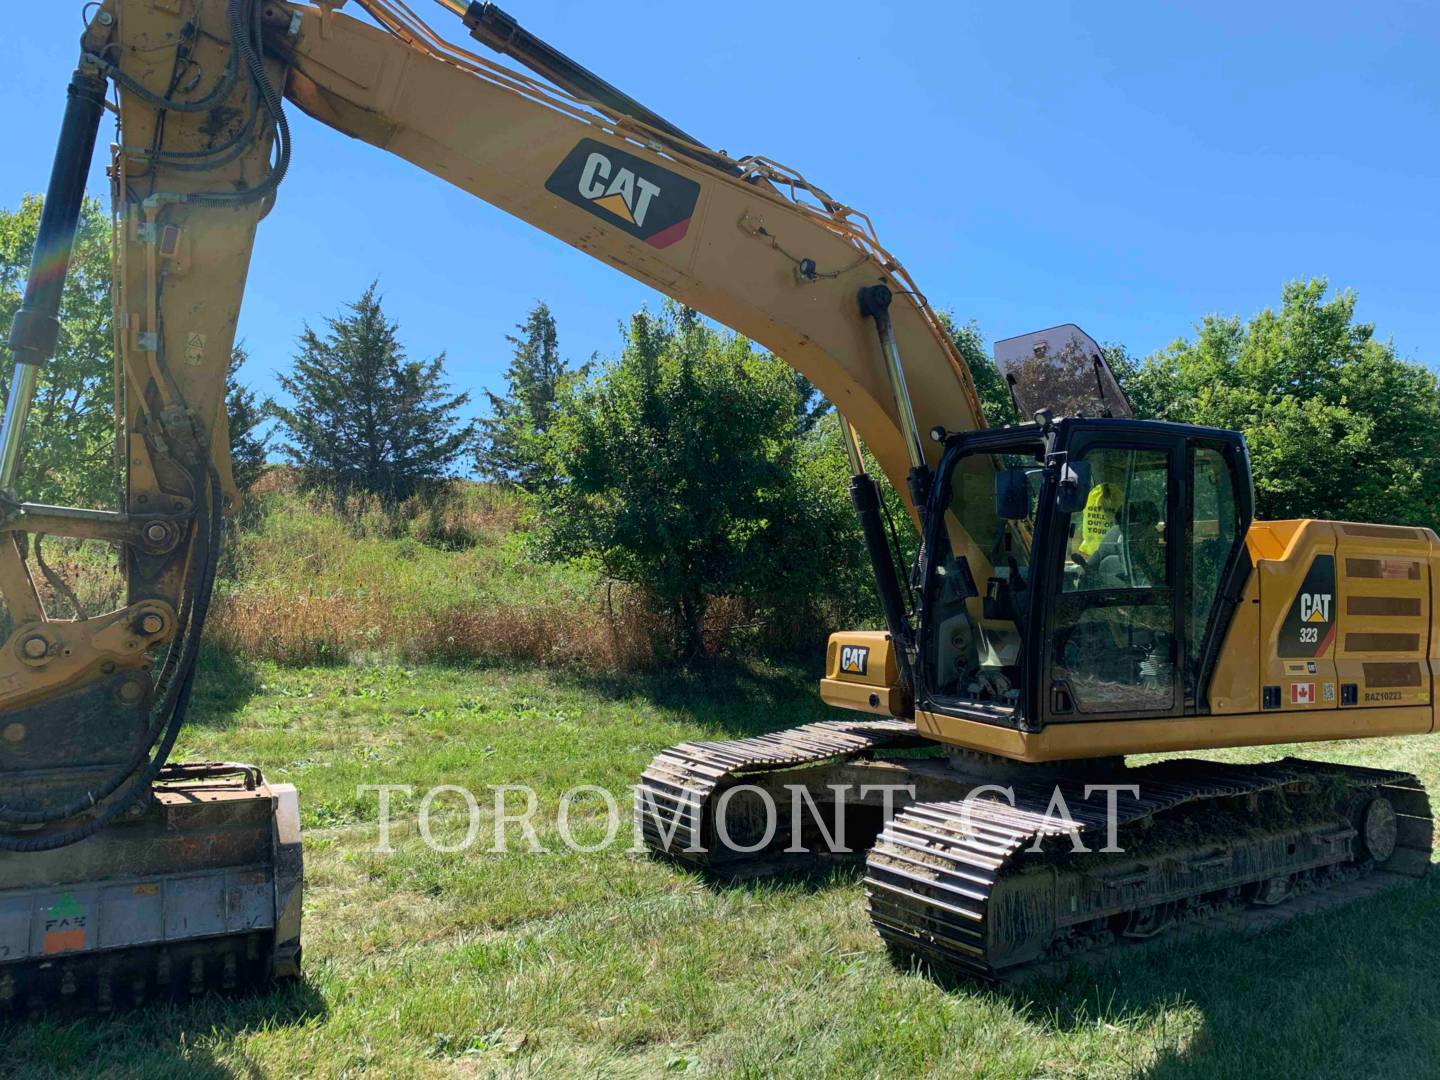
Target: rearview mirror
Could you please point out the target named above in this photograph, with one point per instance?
(1012, 494)
(1074, 487)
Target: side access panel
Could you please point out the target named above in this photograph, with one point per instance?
(1345, 616)
(861, 673)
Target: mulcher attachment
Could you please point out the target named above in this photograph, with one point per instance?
(196, 889)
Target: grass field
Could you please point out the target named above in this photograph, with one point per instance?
(610, 964)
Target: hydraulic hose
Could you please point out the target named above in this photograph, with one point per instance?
(218, 93)
(213, 157)
(244, 40)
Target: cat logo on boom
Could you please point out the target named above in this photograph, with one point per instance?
(855, 659)
(629, 192)
(626, 195)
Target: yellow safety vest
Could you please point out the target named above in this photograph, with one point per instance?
(1098, 517)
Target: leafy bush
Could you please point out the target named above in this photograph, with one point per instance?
(686, 470)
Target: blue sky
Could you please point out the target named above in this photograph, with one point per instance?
(1130, 167)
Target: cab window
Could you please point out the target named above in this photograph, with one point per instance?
(1216, 526)
(981, 586)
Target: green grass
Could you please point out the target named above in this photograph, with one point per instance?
(611, 964)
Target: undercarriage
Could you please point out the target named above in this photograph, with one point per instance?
(990, 869)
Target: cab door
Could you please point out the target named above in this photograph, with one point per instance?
(1112, 647)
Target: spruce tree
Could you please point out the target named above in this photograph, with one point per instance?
(513, 438)
(249, 446)
(365, 418)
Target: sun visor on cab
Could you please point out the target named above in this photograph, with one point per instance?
(1063, 370)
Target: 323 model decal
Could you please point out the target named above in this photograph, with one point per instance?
(1309, 627)
(635, 195)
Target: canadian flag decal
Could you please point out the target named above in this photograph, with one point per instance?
(1302, 693)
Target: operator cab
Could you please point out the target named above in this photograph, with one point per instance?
(1082, 568)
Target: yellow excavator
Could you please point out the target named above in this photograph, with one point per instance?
(1089, 586)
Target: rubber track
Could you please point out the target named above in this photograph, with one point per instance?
(930, 878)
(671, 799)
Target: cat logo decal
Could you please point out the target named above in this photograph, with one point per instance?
(1309, 627)
(635, 195)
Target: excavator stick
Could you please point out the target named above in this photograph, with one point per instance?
(125, 877)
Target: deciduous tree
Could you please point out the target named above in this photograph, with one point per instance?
(69, 440)
(990, 385)
(1339, 425)
(682, 470)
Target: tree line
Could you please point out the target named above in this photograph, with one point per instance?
(692, 465)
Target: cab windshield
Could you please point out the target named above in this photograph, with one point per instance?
(1091, 589)
(1112, 629)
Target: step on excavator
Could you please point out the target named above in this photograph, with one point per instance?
(1089, 587)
